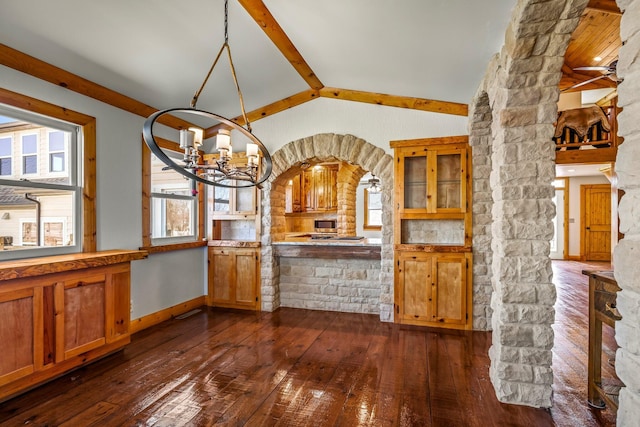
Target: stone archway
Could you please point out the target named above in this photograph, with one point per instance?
(520, 91)
(319, 148)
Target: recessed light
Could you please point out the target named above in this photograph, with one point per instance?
(571, 170)
(597, 58)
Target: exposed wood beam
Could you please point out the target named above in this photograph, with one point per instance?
(35, 67)
(422, 104)
(266, 21)
(607, 6)
(268, 110)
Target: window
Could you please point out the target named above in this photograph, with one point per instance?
(372, 210)
(57, 151)
(6, 144)
(47, 205)
(172, 208)
(29, 154)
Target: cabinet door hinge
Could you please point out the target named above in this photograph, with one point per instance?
(467, 262)
(466, 316)
(256, 299)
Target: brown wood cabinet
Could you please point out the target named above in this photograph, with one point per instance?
(319, 188)
(234, 277)
(60, 314)
(432, 232)
(432, 288)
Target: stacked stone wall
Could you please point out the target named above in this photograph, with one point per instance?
(627, 251)
(348, 285)
(480, 141)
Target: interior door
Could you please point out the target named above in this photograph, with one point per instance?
(596, 224)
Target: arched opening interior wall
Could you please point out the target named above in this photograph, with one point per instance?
(320, 148)
(517, 99)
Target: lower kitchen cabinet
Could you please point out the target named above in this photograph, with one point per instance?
(433, 289)
(53, 320)
(234, 277)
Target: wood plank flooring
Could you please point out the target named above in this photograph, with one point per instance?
(313, 368)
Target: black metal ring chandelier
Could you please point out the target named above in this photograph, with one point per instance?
(221, 172)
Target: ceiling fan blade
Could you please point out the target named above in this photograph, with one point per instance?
(584, 83)
(598, 68)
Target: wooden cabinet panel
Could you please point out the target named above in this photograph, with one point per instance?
(234, 277)
(246, 274)
(119, 298)
(320, 188)
(451, 296)
(432, 289)
(57, 317)
(222, 275)
(414, 287)
(17, 334)
(84, 315)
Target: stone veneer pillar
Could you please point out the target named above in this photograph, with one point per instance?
(521, 90)
(480, 141)
(627, 251)
(326, 147)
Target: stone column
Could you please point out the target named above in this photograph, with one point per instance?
(627, 252)
(523, 92)
(481, 143)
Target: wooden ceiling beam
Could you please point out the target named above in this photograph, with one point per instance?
(607, 6)
(35, 67)
(268, 110)
(422, 104)
(273, 30)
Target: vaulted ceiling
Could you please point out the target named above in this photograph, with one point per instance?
(421, 54)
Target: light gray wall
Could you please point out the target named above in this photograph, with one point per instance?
(167, 279)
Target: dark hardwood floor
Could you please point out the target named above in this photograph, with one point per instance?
(313, 368)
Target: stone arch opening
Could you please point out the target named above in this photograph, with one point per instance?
(360, 157)
(520, 90)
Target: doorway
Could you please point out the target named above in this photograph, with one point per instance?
(559, 244)
(595, 222)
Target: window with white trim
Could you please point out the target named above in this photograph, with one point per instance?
(372, 210)
(6, 157)
(174, 205)
(41, 203)
(57, 151)
(29, 154)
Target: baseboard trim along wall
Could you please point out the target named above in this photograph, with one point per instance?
(149, 320)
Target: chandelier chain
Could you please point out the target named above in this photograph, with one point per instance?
(194, 100)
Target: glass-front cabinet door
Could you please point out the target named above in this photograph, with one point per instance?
(434, 180)
(225, 201)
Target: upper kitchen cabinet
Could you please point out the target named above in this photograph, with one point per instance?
(229, 203)
(435, 176)
(314, 190)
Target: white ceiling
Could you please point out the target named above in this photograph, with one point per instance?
(158, 51)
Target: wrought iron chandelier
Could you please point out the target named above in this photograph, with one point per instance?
(221, 171)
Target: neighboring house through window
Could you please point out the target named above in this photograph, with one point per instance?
(6, 157)
(173, 208)
(42, 202)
